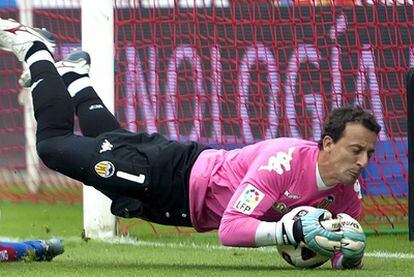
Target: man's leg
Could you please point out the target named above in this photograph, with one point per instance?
(33, 250)
(57, 146)
(94, 117)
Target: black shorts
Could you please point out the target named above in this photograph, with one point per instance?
(148, 174)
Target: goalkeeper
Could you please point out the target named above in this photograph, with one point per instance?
(33, 250)
(245, 193)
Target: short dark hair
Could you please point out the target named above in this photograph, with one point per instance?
(335, 124)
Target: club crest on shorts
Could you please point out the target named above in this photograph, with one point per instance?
(105, 169)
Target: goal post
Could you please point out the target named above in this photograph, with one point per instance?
(98, 41)
(32, 176)
(410, 136)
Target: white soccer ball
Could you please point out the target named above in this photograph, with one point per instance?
(301, 256)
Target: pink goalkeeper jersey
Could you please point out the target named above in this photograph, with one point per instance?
(234, 191)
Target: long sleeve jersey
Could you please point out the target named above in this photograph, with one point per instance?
(234, 191)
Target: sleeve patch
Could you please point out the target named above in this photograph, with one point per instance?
(248, 200)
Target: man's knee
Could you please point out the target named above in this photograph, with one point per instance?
(48, 152)
(69, 154)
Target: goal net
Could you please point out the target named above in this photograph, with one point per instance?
(230, 73)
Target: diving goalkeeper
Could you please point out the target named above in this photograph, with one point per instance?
(247, 193)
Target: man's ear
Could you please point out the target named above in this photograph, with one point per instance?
(328, 144)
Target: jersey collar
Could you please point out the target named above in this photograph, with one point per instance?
(319, 181)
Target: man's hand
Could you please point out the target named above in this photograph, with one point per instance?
(353, 242)
(314, 227)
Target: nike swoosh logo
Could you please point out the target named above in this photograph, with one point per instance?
(35, 84)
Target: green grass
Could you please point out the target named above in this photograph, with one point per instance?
(174, 255)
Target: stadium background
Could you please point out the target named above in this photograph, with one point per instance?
(236, 74)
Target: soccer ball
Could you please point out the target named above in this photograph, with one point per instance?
(301, 256)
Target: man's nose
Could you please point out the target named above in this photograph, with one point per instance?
(363, 159)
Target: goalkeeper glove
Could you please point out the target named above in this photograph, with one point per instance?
(352, 244)
(314, 227)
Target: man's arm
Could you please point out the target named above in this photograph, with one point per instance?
(314, 227)
(240, 219)
(263, 184)
(261, 187)
(241, 225)
(353, 245)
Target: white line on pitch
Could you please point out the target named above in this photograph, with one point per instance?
(132, 241)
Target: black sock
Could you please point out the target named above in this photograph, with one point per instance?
(69, 77)
(94, 117)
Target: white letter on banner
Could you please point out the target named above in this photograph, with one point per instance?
(216, 92)
(314, 102)
(179, 55)
(335, 30)
(367, 70)
(136, 90)
(304, 52)
(252, 55)
(181, 3)
(131, 89)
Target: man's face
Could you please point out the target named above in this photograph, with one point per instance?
(351, 153)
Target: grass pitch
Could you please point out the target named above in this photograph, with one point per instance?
(169, 254)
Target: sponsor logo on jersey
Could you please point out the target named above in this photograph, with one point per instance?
(325, 203)
(249, 199)
(105, 169)
(106, 146)
(279, 162)
(291, 195)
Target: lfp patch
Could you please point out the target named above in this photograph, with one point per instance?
(249, 199)
(105, 169)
